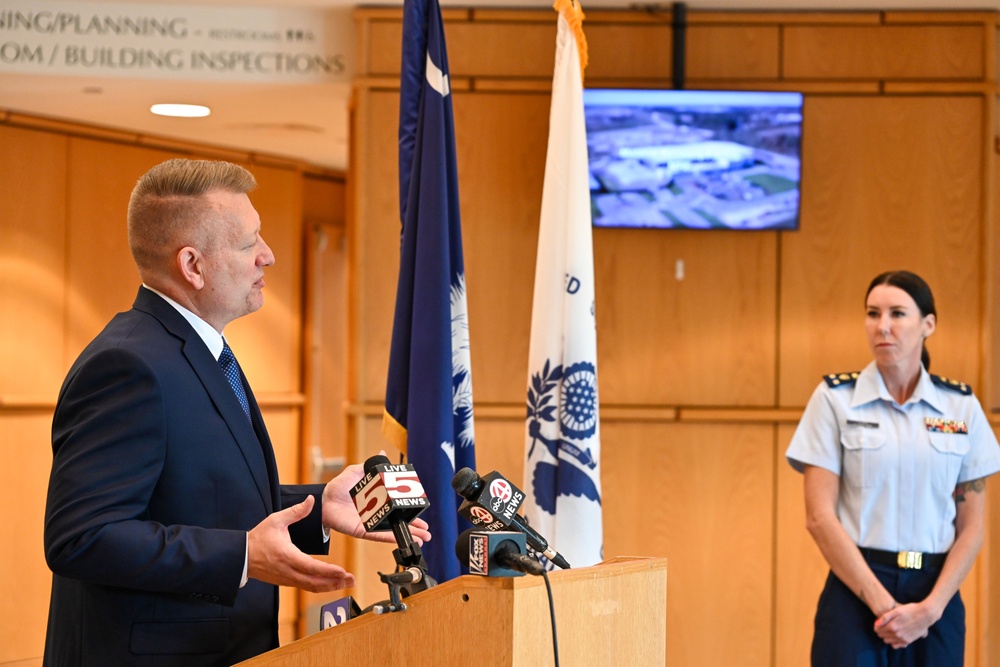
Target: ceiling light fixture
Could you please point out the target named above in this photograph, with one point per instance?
(180, 110)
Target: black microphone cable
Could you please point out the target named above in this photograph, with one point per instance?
(503, 557)
(552, 616)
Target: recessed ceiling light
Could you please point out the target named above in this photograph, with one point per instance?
(180, 110)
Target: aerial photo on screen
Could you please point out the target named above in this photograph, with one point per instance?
(694, 159)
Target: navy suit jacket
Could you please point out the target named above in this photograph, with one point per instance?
(157, 475)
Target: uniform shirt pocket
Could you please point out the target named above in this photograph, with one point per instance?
(861, 465)
(947, 452)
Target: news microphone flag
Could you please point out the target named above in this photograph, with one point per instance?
(428, 398)
(563, 447)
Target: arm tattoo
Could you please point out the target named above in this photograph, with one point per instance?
(973, 485)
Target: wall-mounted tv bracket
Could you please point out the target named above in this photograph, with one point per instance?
(679, 23)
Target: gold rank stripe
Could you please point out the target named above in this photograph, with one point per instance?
(835, 379)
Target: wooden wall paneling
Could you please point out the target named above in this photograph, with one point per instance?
(283, 427)
(32, 262)
(733, 52)
(101, 277)
(25, 579)
(326, 325)
(497, 167)
(800, 569)
(791, 17)
(888, 182)
(324, 430)
(484, 48)
(622, 51)
(883, 52)
(985, 17)
(376, 238)
(663, 340)
(619, 50)
(653, 323)
(500, 446)
(700, 496)
(908, 163)
(990, 389)
(382, 53)
(268, 343)
(501, 142)
(474, 48)
(991, 276)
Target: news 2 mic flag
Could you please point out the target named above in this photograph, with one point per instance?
(563, 448)
(428, 399)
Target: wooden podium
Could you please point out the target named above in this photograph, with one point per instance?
(611, 614)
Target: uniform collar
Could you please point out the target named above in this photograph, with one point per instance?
(871, 387)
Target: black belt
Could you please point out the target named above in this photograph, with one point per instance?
(908, 560)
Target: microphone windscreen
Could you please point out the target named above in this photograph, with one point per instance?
(462, 546)
(378, 459)
(465, 483)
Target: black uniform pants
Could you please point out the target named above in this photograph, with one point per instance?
(845, 626)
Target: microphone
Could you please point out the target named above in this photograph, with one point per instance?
(496, 554)
(491, 503)
(388, 497)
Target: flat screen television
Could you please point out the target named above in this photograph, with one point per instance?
(694, 159)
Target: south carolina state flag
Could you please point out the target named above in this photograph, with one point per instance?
(562, 453)
(428, 399)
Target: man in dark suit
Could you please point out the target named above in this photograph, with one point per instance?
(165, 527)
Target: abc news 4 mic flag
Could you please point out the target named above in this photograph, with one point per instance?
(496, 504)
(563, 446)
(428, 401)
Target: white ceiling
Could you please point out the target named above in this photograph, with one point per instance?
(303, 121)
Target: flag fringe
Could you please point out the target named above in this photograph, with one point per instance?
(394, 432)
(573, 13)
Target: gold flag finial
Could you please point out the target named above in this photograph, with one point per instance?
(573, 13)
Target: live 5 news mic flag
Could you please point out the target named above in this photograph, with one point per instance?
(563, 448)
(428, 399)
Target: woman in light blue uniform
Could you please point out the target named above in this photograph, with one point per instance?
(895, 462)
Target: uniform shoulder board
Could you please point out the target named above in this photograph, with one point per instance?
(841, 379)
(954, 385)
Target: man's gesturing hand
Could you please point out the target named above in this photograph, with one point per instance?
(272, 558)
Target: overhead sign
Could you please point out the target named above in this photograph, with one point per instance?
(176, 42)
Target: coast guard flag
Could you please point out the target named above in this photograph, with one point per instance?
(428, 398)
(562, 452)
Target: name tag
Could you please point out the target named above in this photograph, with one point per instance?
(859, 424)
(936, 425)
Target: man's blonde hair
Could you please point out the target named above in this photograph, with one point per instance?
(167, 209)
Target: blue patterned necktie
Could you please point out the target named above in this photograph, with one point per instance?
(232, 372)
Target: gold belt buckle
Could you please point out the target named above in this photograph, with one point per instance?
(910, 560)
